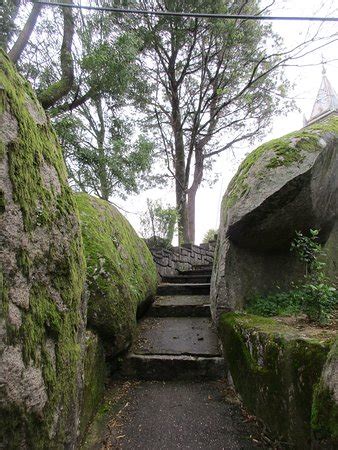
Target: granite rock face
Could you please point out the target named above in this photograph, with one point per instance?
(43, 309)
(287, 185)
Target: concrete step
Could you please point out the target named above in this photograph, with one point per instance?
(172, 367)
(174, 348)
(196, 272)
(187, 279)
(184, 289)
(176, 336)
(180, 306)
(201, 267)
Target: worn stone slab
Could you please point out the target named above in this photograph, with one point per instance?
(180, 300)
(176, 336)
(187, 278)
(181, 306)
(203, 271)
(171, 367)
(183, 289)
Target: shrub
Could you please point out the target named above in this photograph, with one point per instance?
(315, 297)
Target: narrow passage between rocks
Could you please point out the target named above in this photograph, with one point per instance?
(172, 394)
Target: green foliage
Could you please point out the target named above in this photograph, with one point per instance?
(210, 235)
(8, 12)
(308, 250)
(198, 113)
(102, 154)
(159, 223)
(278, 304)
(315, 297)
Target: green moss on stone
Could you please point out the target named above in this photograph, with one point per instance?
(45, 320)
(288, 150)
(121, 272)
(324, 417)
(275, 370)
(94, 379)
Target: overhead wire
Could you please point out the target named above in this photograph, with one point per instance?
(185, 14)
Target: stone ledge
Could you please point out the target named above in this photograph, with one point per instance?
(276, 369)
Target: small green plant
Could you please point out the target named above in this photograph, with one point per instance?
(319, 298)
(209, 235)
(308, 249)
(315, 297)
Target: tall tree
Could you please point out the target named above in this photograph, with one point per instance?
(101, 155)
(215, 82)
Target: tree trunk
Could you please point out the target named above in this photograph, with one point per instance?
(192, 191)
(61, 88)
(100, 137)
(180, 181)
(23, 38)
(191, 215)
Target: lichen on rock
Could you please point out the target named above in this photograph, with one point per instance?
(121, 273)
(43, 310)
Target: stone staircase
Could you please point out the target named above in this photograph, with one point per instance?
(176, 340)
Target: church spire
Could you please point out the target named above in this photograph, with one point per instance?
(327, 100)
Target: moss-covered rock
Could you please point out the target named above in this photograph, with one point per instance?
(275, 369)
(286, 185)
(95, 372)
(324, 419)
(121, 273)
(43, 311)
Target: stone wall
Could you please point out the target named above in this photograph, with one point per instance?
(186, 257)
(285, 376)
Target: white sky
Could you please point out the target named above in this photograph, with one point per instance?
(307, 81)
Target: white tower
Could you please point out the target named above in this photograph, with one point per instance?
(326, 102)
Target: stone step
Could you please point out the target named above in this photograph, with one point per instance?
(171, 367)
(194, 269)
(184, 289)
(196, 272)
(187, 279)
(176, 336)
(174, 348)
(180, 306)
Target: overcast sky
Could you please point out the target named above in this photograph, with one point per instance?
(307, 80)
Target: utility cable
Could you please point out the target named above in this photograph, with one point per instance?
(185, 14)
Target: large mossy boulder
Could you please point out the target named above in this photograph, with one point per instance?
(43, 310)
(277, 370)
(121, 273)
(287, 185)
